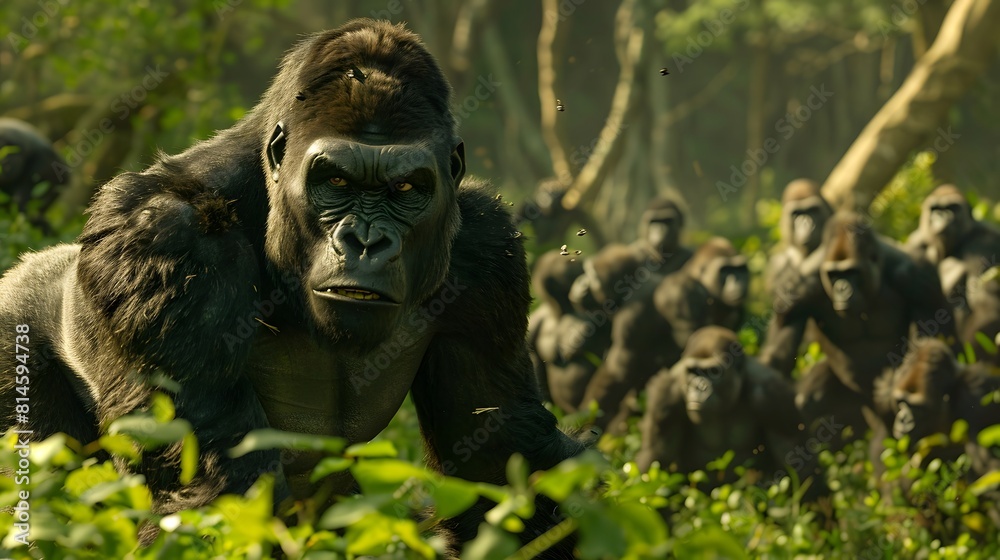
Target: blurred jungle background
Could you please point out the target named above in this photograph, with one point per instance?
(719, 103)
(111, 83)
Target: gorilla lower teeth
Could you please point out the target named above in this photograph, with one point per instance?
(354, 294)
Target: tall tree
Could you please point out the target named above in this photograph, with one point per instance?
(965, 45)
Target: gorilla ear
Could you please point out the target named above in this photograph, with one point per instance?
(276, 150)
(458, 164)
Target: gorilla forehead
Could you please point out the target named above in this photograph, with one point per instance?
(401, 91)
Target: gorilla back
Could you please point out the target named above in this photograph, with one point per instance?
(302, 270)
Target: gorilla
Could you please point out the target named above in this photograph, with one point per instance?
(659, 238)
(929, 392)
(963, 249)
(337, 214)
(716, 399)
(27, 159)
(926, 395)
(804, 212)
(650, 332)
(865, 297)
(550, 220)
(564, 354)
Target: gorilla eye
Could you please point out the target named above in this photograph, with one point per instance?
(403, 186)
(338, 181)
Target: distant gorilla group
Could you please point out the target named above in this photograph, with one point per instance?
(892, 323)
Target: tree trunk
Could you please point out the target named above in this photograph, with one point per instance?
(964, 47)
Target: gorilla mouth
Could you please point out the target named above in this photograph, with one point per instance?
(352, 294)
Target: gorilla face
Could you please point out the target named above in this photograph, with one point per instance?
(662, 230)
(364, 212)
(728, 279)
(945, 218)
(851, 271)
(712, 385)
(807, 219)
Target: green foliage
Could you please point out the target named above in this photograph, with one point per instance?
(82, 508)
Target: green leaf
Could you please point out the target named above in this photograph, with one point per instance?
(352, 509)
(260, 440)
(148, 432)
(380, 448)
(161, 407)
(120, 444)
(189, 458)
(385, 475)
(988, 345)
(490, 544)
(517, 472)
(328, 466)
(989, 436)
(985, 483)
(710, 542)
(453, 496)
(600, 535)
(572, 474)
(959, 431)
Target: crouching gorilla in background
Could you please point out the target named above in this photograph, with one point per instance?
(336, 214)
(924, 397)
(927, 394)
(717, 399)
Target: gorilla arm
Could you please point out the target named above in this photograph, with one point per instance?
(791, 304)
(664, 421)
(164, 276)
(917, 281)
(637, 333)
(479, 360)
(772, 398)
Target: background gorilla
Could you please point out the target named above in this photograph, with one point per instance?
(336, 212)
(927, 394)
(650, 332)
(717, 399)
(29, 161)
(564, 352)
(550, 220)
(804, 213)
(963, 249)
(660, 236)
(924, 397)
(865, 297)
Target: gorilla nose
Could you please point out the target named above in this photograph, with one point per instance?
(360, 242)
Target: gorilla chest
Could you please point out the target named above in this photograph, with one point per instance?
(708, 440)
(307, 388)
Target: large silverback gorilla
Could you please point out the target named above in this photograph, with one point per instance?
(337, 213)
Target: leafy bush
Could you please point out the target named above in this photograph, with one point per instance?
(78, 507)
